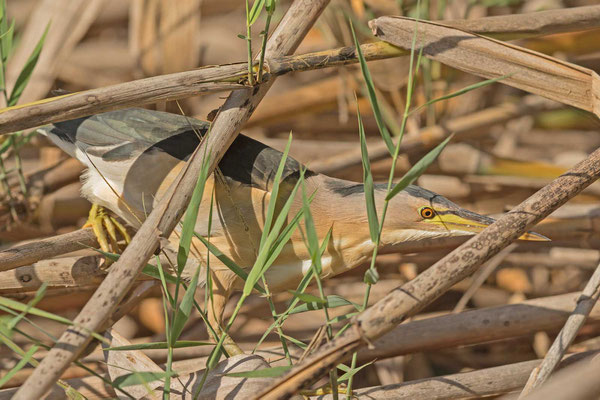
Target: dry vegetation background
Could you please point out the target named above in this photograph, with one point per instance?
(508, 145)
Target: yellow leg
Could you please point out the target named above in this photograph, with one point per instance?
(324, 390)
(103, 224)
(221, 290)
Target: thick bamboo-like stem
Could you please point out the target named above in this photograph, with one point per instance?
(519, 67)
(518, 26)
(481, 276)
(488, 381)
(143, 91)
(585, 304)
(429, 285)
(578, 381)
(30, 253)
(485, 324)
(60, 273)
(446, 331)
(475, 384)
(230, 77)
(162, 220)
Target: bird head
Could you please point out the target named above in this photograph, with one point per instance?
(418, 214)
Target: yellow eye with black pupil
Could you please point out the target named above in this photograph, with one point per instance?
(427, 212)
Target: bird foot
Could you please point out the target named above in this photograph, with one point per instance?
(324, 390)
(230, 346)
(105, 229)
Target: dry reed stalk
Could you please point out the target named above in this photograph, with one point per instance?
(585, 303)
(148, 90)
(481, 276)
(66, 272)
(474, 384)
(219, 78)
(72, 373)
(68, 21)
(520, 182)
(173, 86)
(522, 68)
(434, 333)
(426, 287)
(162, 220)
(483, 382)
(120, 363)
(578, 381)
(556, 258)
(32, 252)
(485, 324)
(218, 384)
(517, 26)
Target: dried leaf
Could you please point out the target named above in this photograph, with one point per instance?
(530, 71)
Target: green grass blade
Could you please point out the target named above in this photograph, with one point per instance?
(39, 295)
(6, 318)
(281, 241)
(311, 234)
(15, 305)
(260, 266)
(229, 263)
(461, 91)
(297, 342)
(332, 301)
(272, 372)
(344, 317)
(163, 281)
(274, 192)
(306, 279)
(254, 13)
(371, 276)
(289, 229)
(69, 390)
(27, 70)
(140, 378)
(167, 300)
(149, 270)
(308, 298)
(185, 308)
(385, 134)
(6, 40)
(368, 181)
(191, 216)
(4, 146)
(418, 169)
(20, 365)
(154, 272)
(352, 372)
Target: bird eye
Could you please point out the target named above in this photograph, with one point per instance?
(427, 212)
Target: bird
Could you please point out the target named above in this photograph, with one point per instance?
(133, 155)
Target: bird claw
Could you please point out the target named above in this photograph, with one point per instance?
(324, 390)
(229, 345)
(103, 224)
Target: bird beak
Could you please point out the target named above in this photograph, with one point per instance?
(468, 221)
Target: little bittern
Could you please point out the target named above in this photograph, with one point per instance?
(134, 155)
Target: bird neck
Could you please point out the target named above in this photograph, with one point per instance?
(340, 205)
